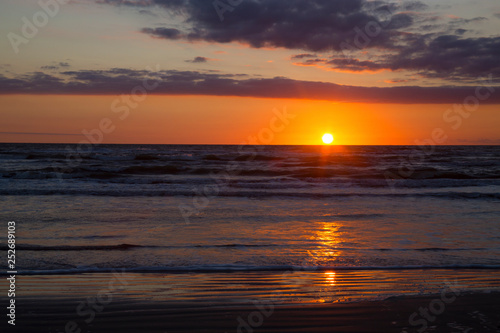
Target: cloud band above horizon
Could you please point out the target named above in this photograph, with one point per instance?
(173, 82)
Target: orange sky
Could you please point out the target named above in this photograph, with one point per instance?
(231, 120)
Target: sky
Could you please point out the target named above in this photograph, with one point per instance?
(250, 71)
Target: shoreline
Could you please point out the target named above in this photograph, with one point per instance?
(279, 287)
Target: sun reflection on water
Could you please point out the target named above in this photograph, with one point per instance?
(328, 237)
(330, 278)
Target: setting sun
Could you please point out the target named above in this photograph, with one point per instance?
(327, 138)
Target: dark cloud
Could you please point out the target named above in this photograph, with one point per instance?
(303, 55)
(343, 64)
(451, 57)
(315, 25)
(403, 32)
(400, 21)
(354, 65)
(198, 60)
(171, 82)
(319, 62)
(166, 33)
(446, 57)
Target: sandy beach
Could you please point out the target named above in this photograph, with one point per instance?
(257, 302)
(467, 313)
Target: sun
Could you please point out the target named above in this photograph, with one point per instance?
(328, 138)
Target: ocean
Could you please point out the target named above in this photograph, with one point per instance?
(236, 223)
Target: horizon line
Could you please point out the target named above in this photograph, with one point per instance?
(234, 144)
